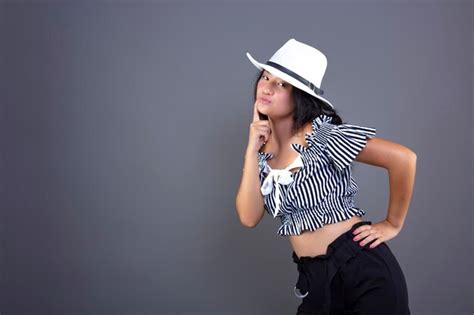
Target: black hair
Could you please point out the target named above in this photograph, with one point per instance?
(307, 107)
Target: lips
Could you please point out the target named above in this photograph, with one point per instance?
(264, 100)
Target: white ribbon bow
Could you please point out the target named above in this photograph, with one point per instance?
(283, 177)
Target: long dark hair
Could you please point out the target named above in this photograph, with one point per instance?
(307, 107)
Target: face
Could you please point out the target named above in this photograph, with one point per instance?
(278, 94)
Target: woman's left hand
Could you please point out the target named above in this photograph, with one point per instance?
(380, 232)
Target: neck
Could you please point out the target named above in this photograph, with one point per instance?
(281, 136)
(281, 132)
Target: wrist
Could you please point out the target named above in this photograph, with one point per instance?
(250, 153)
(397, 227)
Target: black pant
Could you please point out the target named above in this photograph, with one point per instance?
(351, 279)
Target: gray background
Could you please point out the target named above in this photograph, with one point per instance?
(124, 126)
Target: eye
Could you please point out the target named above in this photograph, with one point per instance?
(281, 83)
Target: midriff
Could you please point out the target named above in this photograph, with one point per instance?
(314, 243)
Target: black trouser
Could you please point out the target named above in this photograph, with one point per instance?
(351, 279)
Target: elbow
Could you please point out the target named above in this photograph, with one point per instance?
(402, 159)
(411, 156)
(408, 161)
(406, 155)
(247, 217)
(247, 222)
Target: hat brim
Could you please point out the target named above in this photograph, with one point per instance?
(287, 78)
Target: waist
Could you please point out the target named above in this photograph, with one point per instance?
(313, 243)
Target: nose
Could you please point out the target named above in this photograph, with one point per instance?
(267, 90)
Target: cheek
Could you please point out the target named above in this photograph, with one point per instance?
(287, 99)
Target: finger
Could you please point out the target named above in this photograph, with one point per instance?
(264, 129)
(266, 136)
(375, 243)
(368, 239)
(263, 126)
(255, 113)
(362, 228)
(366, 236)
(363, 232)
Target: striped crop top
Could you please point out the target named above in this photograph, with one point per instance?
(321, 191)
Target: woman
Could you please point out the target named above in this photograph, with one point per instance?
(298, 167)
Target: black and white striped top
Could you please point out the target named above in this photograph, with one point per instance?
(321, 191)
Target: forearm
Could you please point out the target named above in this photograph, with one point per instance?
(401, 179)
(249, 201)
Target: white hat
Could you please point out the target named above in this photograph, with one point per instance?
(300, 65)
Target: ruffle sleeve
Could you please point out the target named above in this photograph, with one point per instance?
(345, 141)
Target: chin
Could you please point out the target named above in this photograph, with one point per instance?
(264, 111)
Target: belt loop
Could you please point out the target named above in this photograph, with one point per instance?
(302, 283)
(303, 279)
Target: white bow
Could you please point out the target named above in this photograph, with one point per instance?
(283, 177)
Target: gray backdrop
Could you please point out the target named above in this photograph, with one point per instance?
(124, 127)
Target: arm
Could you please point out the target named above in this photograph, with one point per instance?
(249, 200)
(400, 162)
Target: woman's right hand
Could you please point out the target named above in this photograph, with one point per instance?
(259, 131)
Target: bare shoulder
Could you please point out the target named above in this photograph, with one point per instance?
(383, 152)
